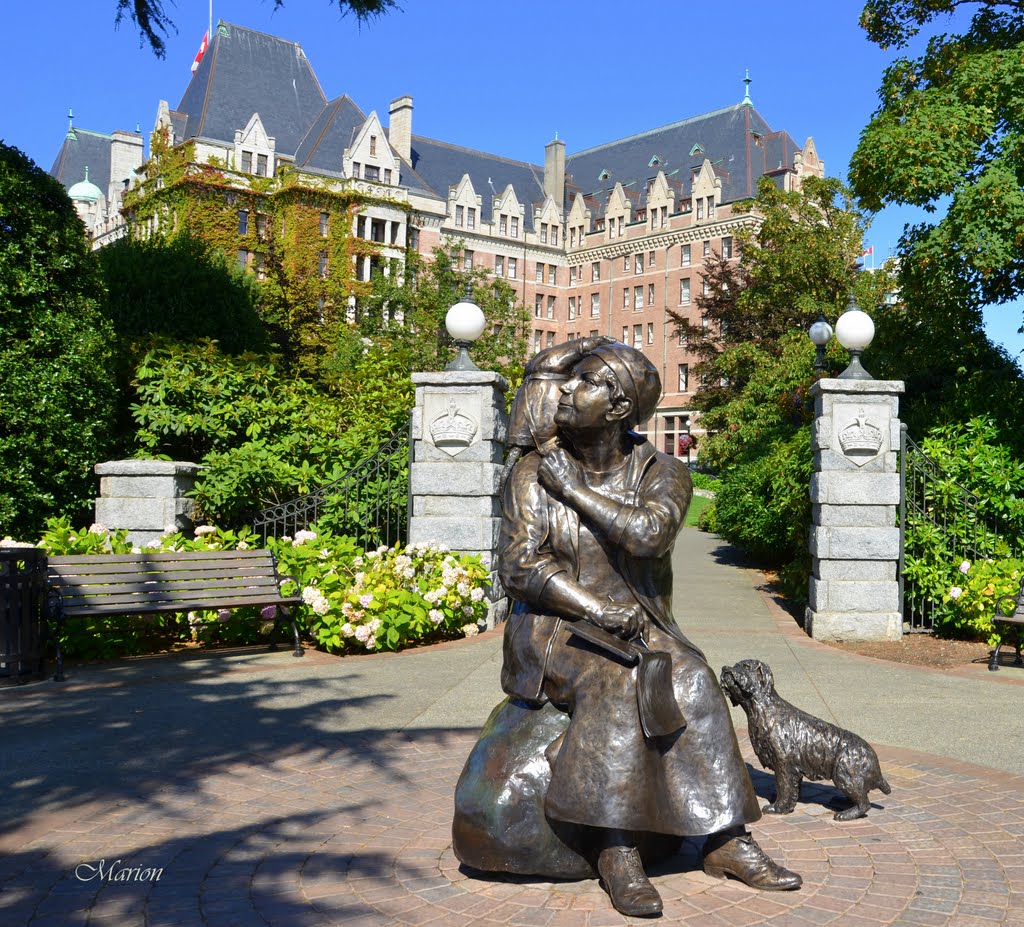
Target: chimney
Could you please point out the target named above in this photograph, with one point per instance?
(125, 160)
(400, 129)
(554, 172)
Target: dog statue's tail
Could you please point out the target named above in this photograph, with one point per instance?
(883, 786)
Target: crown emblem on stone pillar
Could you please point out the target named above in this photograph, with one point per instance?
(453, 428)
(860, 437)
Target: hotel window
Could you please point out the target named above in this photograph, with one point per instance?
(638, 337)
(551, 307)
(325, 224)
(387, 175)
(372, 172)
(621, 221)
(572, 276)
(499, 266)
(650, 333)
(552, 275)
(684, 377)
(357, 169)
(261, 226)
(459, 215)
(543, 233)
(471, 218)
(595, 271)
(536, 342)
(373, 144)
(572, 237)
(727, 248)
(554, 234)
(322, 264)
(503, 225)
(711, 207)
(551, 339)
(705, 288)
(650, 294)
(539, 276)
(707, 249)
(414, 239)
(705, 322)
(700, 209)
(638, 297)
(684, 292)
(611, 228)
(650, 258)
(515, 226)
(243, 258)
(467, 260)
(664, 216)
(512, 268)
(572, 308)
(246, 162)
(595, 304)
(625, 263)
(625, 297)
(625, 334)
(538, 305)
(638, 267)
(685, 262)
(260, 266)
(243, 221)
(261, 165)
(594, 333)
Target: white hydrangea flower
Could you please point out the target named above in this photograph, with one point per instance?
(302, 536)
(477, 595)
(470, 630)
(203, 530)
(436, 615)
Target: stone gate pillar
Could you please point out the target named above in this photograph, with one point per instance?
(855, 494)
(459, 426)
(146, 496)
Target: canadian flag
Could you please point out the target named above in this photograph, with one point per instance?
(870, 250)
(201, 52)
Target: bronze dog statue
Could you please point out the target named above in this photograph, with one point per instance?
(796, 746)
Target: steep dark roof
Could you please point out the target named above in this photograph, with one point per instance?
(82, 149)
(442, 166)
(739, 143)
(323, 146)
(245, 72)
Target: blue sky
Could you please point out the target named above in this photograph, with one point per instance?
(498, 76)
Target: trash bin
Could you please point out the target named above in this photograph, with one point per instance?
(22, 615)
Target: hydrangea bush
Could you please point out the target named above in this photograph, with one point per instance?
(353, 601)
(971, 602)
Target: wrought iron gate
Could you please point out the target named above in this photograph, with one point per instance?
(369, 503)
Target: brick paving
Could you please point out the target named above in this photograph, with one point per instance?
(354, 831)
(272, 792)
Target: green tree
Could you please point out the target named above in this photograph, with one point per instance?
(406, 316)
(153, 22)
(949, 134)
(183, 289)
(800, 260)
(56, 390)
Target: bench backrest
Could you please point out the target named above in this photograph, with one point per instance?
(1011, 608)
(122, 584)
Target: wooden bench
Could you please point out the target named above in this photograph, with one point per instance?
(1009, 610)
(92, 586)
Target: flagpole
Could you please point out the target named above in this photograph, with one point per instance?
(210, 31)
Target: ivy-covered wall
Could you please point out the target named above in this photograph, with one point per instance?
(295, 231)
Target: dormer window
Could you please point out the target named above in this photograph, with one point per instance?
(696, 150)
(503, 225)
(261, 165)
(246, 162)
(654, 162)
(515, 227)
(372, 172)
(459, 216)
(373, 144)
(471, 218)
(604, 175)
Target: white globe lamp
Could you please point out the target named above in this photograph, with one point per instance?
(465, 323)
(854, 331)
(820, 332)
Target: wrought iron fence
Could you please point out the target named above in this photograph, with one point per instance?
(941, 524)
(369, 503)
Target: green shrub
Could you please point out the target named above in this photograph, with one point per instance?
(970, 605)
(56, 389)
(764, 506)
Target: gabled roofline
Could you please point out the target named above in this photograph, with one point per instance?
(671, 125)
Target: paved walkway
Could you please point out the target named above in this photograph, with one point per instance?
(266, 790)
